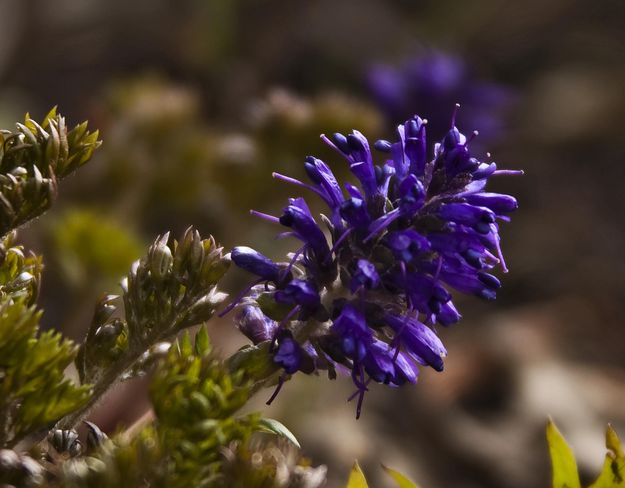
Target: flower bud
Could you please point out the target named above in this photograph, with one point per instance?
(299, 292)
(95, 437)
(103, 310)
(214, 269)
(382, 146)
(290, 356)
(65, 441)
(365, 276)
(203, 309)
(106, 335)
(160, 258)
(354, 211)
(255, 325)
(497, 202)
(467, 214)
(256, 263)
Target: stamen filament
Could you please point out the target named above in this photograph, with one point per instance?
(265, 216)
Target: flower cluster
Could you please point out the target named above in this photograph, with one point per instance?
(438, 79)
(367, 299)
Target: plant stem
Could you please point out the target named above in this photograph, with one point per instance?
(108, 379)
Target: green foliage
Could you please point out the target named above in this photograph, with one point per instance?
(564, 466)
(32, 159)
(195, 398)
(196, 437)
(257, 364)
(173, 287)
(20, 275)
(34, 391)
(93, 248)
(170, 289)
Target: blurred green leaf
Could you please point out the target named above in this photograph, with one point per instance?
(89, 245)
(202, 342)
(564, 466)
(400, 479)
(275, 427)
(356, 478)
(613, 472)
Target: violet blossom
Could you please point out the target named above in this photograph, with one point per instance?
(424, 84)
(368, 299)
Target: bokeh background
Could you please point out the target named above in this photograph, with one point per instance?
(198, 101)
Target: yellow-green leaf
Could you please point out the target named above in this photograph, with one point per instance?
(613, 472)
(356, 478)
(400, 479)
(275, 427)
(202, 342)
(563, 465)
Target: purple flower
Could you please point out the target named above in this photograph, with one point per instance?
(425, 84)
(301, 293)
(365, 290)
(290, 355)
(365, 275)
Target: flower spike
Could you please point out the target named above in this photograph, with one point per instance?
(366, 297)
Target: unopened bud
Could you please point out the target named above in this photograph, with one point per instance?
(108, 333)
(214, 269)
(103, 310)
(203, 309)
(160, 258)
(65, 441)
(253, 323)
(95, 437)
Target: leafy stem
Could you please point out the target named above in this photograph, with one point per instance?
(170, 289)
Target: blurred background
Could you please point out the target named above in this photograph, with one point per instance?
(198, 101)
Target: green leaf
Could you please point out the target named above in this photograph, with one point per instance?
(400, 479)
(195, 398)
(202, 342)
(274, 427)
(613, 472)
(34, 391)
(186, 349)
(564, 466)
(356, 478)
